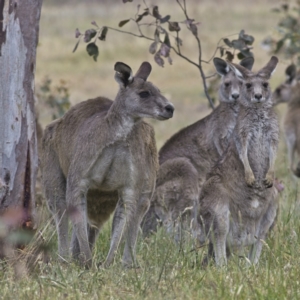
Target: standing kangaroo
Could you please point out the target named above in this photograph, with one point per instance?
(101, 153)
(188, 155)
(237, 204)
(289, 92)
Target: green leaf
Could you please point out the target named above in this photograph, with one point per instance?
(178, 41)
(227, 42)
(76, 46)
(164, 50)
(165, 19)
(279, 45)
(140, 17)
(167, 40)
(155, 12)
(221, 51)
(244, 53)
(89, 34)
(153, 47)
(240, 55)
(248, 39)
(174, 26)
(92, 50)
(122, 23)
(102, 36)
(229, 56)
(289, 22)
(158, 59)
(238, 44)
(194, 29)
(156, 35)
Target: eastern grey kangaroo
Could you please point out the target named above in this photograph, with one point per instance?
(188, 155)
(101, 153)
(289, 92)
(238, 204)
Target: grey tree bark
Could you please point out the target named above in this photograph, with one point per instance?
(19, 29)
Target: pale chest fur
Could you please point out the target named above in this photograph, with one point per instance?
(114, 168)
(258, 134)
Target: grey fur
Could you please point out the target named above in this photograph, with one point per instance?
(101, 154)
(238, 202)
(289, 92)
(188, 155)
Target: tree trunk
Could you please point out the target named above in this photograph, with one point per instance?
(19, 28)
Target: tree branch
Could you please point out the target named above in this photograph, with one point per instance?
(199, 65)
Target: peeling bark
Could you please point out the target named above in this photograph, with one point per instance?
(19, 28)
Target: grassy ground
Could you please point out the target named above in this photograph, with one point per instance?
(166, 272)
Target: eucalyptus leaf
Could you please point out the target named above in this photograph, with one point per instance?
(174, 26)
(89, 34)
(92, 50)
(103, 34)
(165, 19)
(158, 59)
(122, 23)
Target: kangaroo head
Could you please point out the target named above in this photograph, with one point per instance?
(289, 90)
(255, 90)
(138, 97)
(229, 90)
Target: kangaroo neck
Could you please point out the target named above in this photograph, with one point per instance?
(234, 106)
(119, 121)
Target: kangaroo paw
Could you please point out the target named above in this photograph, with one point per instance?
(250, 179)
(268, 181)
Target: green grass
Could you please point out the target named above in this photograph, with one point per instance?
(165, 272)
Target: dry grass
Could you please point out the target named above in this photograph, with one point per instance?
(165, 272)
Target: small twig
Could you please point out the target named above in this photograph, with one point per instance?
(199, 65)
(131, 33)
(210, 76)
(221, 39)
(202, 74)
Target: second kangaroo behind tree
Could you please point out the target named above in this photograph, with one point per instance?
(237, 204)
(101, 154)
(289, 92)
(188, 155)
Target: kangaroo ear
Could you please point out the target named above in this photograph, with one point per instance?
(269, 68)
(290, 73)
(247, 63)
(221, 66)
(123, 74)
(144, 71)
(239, 71)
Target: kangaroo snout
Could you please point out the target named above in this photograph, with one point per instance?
(258, 97)
(169, 110)
(235, 96)
(166, 112)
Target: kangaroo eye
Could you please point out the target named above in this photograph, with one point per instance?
(144, 94)
(227, 84)
(248, 85)
(265, 84)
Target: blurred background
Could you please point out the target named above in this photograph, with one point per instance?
(76, 76)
